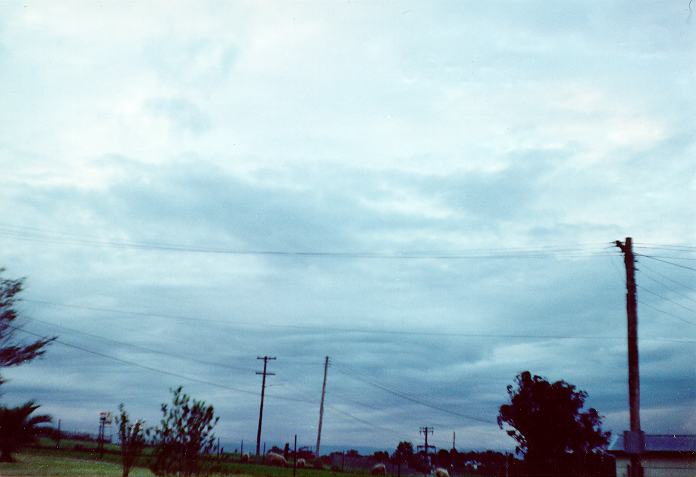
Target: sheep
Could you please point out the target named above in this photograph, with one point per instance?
(378, 469)
(244, 459)
(276, 459)
(440, 472)
(301, 463)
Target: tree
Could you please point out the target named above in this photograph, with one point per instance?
(404, 453)
(184, 437)
(547, 421)
(381, 456)
(404, 449)
(18, 428)
(132, 437)
(443, 458)
(13, 352)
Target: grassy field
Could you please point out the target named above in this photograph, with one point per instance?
(82, 461)
(80, 458)
(30, 464)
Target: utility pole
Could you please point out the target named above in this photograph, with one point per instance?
(454, 440)
(634, 440)
(321, 406)
(294, 458)
(264, 373)
(425, 430)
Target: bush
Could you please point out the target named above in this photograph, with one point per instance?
(184, 438)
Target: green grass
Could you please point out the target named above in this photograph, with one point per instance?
(30, 464)
(66, 461)
(47, 461)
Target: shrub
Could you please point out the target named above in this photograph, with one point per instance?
(184, 437)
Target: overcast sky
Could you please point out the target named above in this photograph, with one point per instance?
(438, 183)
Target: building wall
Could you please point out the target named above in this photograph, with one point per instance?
(660, 466)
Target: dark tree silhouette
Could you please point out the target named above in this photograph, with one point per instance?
(405, 449)
(404, 454)
(132, 436)
(547, 421)
(13, 352)
(184, 437)
(19, 428)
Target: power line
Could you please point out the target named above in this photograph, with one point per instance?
(683, 320)
(660, 259)
(659, 246)
(667, 299)
(266, 326)
(407, 397)
(667, 277)
(577, 251)
(683, 249)
(362, 421)
(144, 348)
(673, 257)
(669, 288)
(152, 369)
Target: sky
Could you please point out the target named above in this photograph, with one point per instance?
(426, 192)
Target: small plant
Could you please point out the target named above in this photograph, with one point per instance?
(184, 439)
(133, 438)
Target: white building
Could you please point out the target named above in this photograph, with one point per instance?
(664, 456)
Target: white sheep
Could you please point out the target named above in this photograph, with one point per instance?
(378, 469)
(440, 472)
(301, 463)
(276, 459)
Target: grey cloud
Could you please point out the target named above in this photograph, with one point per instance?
(182, 113)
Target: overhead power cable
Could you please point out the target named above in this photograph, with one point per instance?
(666, 246)
(644, 267)
(408, 397)
(576, 251)
(368, 424)
(683, 320)
(317, 329)
(145, 349)
(670, 288)
(659, 259)
(666, 299)
(156, 370)
(674, 257)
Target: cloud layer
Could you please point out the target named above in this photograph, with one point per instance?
(427, 130)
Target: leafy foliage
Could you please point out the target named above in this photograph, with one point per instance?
(19, 428)
(13, 352)
(404, 448)
(133, 438)
(184, 437)
(403, 453)
(547, 421)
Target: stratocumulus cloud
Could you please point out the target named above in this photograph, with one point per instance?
(426, 193)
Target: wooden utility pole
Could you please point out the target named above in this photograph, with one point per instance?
(454, 440)
(425, 430)
(634, 440)
(294, 458)
(321, 406)
(264, 373)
